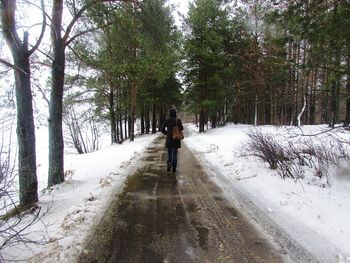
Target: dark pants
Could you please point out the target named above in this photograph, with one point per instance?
(172, 156)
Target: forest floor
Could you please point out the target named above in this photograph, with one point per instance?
(159, 217)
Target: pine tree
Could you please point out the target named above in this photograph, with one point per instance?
(207, 25)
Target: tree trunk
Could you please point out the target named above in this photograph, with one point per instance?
(347, 110)
(297, 87)
(335, 92)
(336, 76)
(256, 110)
(147, 120)
(313, 98)
(143, 120)
(28, 184)
(129, 127)
(201, 120)
(59, 43)
(162, 117)
(126, 124)
(121, 136)
(132, 110)
(121, 128)
(154, 119)
(56, 146)
(324, 100)
(112, 116)
(117, 129)
(289, 117)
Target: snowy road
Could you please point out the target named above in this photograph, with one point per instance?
(161, 219)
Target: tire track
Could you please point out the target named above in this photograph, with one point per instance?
(234, 239)
(159, 219)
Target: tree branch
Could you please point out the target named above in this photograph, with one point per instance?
(82, 33)
(43, 94)
(35, 47)
(8, 64)
(82, 59)
(42, 63)
(46, 55)
(126, 1)
(8, 21)
(74, 20)
(81, 11)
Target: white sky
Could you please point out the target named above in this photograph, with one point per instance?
(181, 6)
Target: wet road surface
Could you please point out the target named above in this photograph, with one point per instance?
(162, 218)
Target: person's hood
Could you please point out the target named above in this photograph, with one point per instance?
(172, 113)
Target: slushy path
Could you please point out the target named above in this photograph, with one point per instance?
(158, 218)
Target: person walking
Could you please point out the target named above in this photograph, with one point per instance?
(171, 144)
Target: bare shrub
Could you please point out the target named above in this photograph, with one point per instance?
(290, 169)
(293, 158)
(68, 174)
(15, 220)
(266, 148)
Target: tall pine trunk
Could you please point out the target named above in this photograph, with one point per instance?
(59, 43)
(143, 120)
(313, 97)
(126, 124)
(56, 147)
(121, 128)
(335, 76)
(201, 120)
(347, 110)
(147, 120)
(120, 115)
(112, 116)
(28, 185)
(154, 119)
(132, 110)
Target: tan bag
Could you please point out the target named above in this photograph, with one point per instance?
(177, 133)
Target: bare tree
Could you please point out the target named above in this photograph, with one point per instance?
(25, 122)
(84, 134)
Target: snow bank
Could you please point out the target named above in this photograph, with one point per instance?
(77, 204)
(317, 217)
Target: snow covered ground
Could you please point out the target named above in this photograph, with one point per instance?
(316, 217)
(77, 204)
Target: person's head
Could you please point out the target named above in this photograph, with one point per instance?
(172, 113)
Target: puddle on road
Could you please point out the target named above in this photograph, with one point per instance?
(202, 234)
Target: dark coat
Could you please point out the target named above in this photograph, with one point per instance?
(167, 129)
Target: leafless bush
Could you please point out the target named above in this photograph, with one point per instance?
(293, 158)
(15, 220)
(289, 169)
(265, 147)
